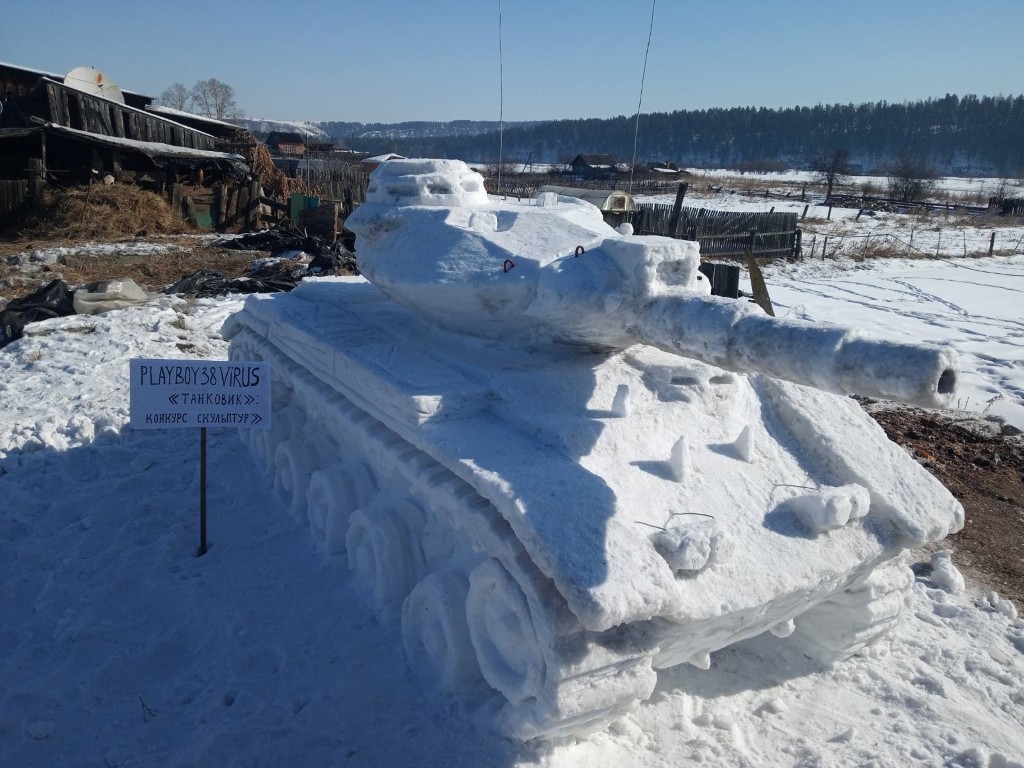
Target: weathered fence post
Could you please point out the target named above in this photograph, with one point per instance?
(253, 204)
(824, 247)
(677, 208)
(799, 242)
(36, 179)
(190, 210)
(992, 243)
(221, 199)
(176, 200)
(804, 214)
(829, 217)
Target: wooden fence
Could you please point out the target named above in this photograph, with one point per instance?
(1008, 206)
(524, 186)
(345, 183)
(226, 206)
(722, 233)
(869, 203)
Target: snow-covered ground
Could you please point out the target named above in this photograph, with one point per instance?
(973, 304)
(119, 647)
(981, 186)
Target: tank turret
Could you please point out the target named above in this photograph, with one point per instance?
(555, 271)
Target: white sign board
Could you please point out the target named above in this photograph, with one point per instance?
(166, 394)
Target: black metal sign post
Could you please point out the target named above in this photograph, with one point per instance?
(202, 492)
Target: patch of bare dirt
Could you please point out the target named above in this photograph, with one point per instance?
(152, 271)
(981, 461)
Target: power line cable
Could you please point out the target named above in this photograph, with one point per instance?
(636, 131)
(501, 100)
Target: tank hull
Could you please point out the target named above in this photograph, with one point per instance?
(540, 501)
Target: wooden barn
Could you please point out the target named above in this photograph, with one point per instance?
(589, 167)
(54, 130)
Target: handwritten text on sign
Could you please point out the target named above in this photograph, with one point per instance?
(199, 393)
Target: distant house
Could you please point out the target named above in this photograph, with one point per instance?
(593, 166)
(286, 144)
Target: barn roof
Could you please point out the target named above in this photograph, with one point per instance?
(595, 161)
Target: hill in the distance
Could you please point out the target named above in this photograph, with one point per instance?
(965, 135)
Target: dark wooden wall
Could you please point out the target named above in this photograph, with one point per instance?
(75, 109)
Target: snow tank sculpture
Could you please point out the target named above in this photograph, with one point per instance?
(556, 464)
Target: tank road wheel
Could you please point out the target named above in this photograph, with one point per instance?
(857, 617)
(285, 424)
(293, 466)
(333, 494)
(501, 629)
(383, 544)
(435, 633)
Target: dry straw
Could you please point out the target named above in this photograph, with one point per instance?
(102, 212)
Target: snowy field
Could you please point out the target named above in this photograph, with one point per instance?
(974, 304)
(118, 647)
(929, 291)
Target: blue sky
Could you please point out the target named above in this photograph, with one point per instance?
(395, 60)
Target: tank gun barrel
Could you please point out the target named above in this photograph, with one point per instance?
(739, 337)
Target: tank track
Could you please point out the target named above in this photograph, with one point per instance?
(438, 562)
(858, 617)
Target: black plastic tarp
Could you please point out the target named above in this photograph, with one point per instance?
(210, 282)
(55, 299)
(278, 241)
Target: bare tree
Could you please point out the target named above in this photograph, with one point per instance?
(911, 179)
(213, 98)
(176, 97)
(832, 168)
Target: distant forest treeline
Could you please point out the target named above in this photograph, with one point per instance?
(967, 135)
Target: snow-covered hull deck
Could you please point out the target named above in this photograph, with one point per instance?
(553, 524)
